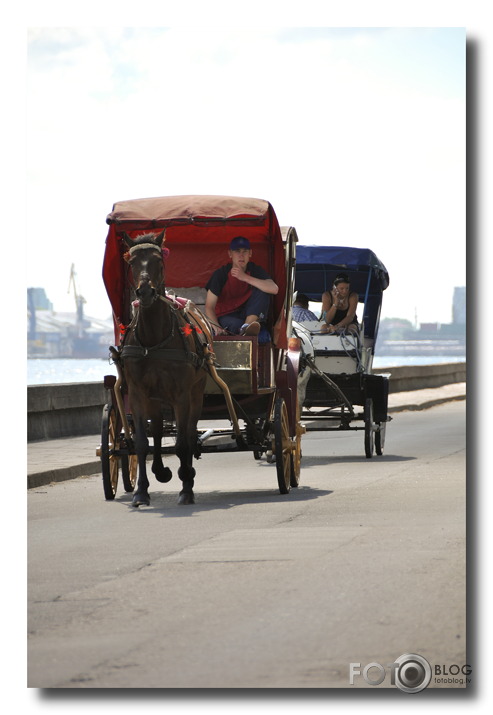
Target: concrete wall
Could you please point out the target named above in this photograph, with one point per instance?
(69, 410)
(75, 409)
(419, 377)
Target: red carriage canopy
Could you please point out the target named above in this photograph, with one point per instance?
(198, 232)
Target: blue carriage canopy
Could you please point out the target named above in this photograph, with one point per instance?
(318, 266)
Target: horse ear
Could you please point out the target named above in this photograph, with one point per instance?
(161, 237)
(127, 239)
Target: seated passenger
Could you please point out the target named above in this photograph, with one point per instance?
(238, 294)
(301, 310)
(339, 307)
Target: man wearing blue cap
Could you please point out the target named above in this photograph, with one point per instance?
(238, 293)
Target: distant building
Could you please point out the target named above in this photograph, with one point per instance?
(399, 337)
(55, 335)
(459, 306)
(38, 299)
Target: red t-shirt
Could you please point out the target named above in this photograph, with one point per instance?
(232, 293)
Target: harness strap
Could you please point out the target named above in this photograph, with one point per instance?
(162, 343)
(136, 352)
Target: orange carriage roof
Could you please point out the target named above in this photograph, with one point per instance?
(163, 211)
(199, 229)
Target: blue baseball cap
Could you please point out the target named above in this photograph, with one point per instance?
(239, 242)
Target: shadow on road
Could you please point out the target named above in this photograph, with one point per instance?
(308, 462)
(166, 504)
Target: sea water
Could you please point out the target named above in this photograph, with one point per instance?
(49, 371)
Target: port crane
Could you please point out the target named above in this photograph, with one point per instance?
(79, 301)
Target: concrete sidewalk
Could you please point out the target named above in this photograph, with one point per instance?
(59, 459)
(424, 399)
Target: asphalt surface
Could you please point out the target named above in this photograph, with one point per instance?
(363, 563)
(61, 459)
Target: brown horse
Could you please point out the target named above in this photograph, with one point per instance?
(163, 367)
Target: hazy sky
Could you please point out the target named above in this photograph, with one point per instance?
(355, 135)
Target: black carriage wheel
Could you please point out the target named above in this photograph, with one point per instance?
(369, 428)
(253, 436)
(282, 443)
(109, 461)
(129, 471)
(296, 453)
(380, 438)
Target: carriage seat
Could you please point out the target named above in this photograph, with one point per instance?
(313, 326)
(335, 353)
(196, 294)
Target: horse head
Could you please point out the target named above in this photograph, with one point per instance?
(145, 257)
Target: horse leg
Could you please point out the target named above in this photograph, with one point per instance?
(186, 472)
(187, 416)
(184, 452)
(141, 494)
(163, 474)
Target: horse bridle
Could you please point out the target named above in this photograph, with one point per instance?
(143, 245)
(159, 290)
(160, 350)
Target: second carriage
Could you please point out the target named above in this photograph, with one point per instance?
(339, 378)
(251, 382)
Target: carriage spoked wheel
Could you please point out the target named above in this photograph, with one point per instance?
(129, 463)
(380, 438)
(283, 446)
(296, 453)
(369, 428)
(110, 462)
(129, 471)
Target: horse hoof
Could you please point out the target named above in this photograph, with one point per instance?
(186, 498)
(141, 500)
(163, 475)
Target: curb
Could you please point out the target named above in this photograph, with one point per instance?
(413, 407)
(63, 474)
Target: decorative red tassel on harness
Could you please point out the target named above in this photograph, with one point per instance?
(188, 329)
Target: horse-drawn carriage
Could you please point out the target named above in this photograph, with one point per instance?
(173, 373)
(338, 367)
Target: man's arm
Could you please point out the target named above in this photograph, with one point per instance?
(266, 285)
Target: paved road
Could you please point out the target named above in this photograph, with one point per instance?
(364, 562)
